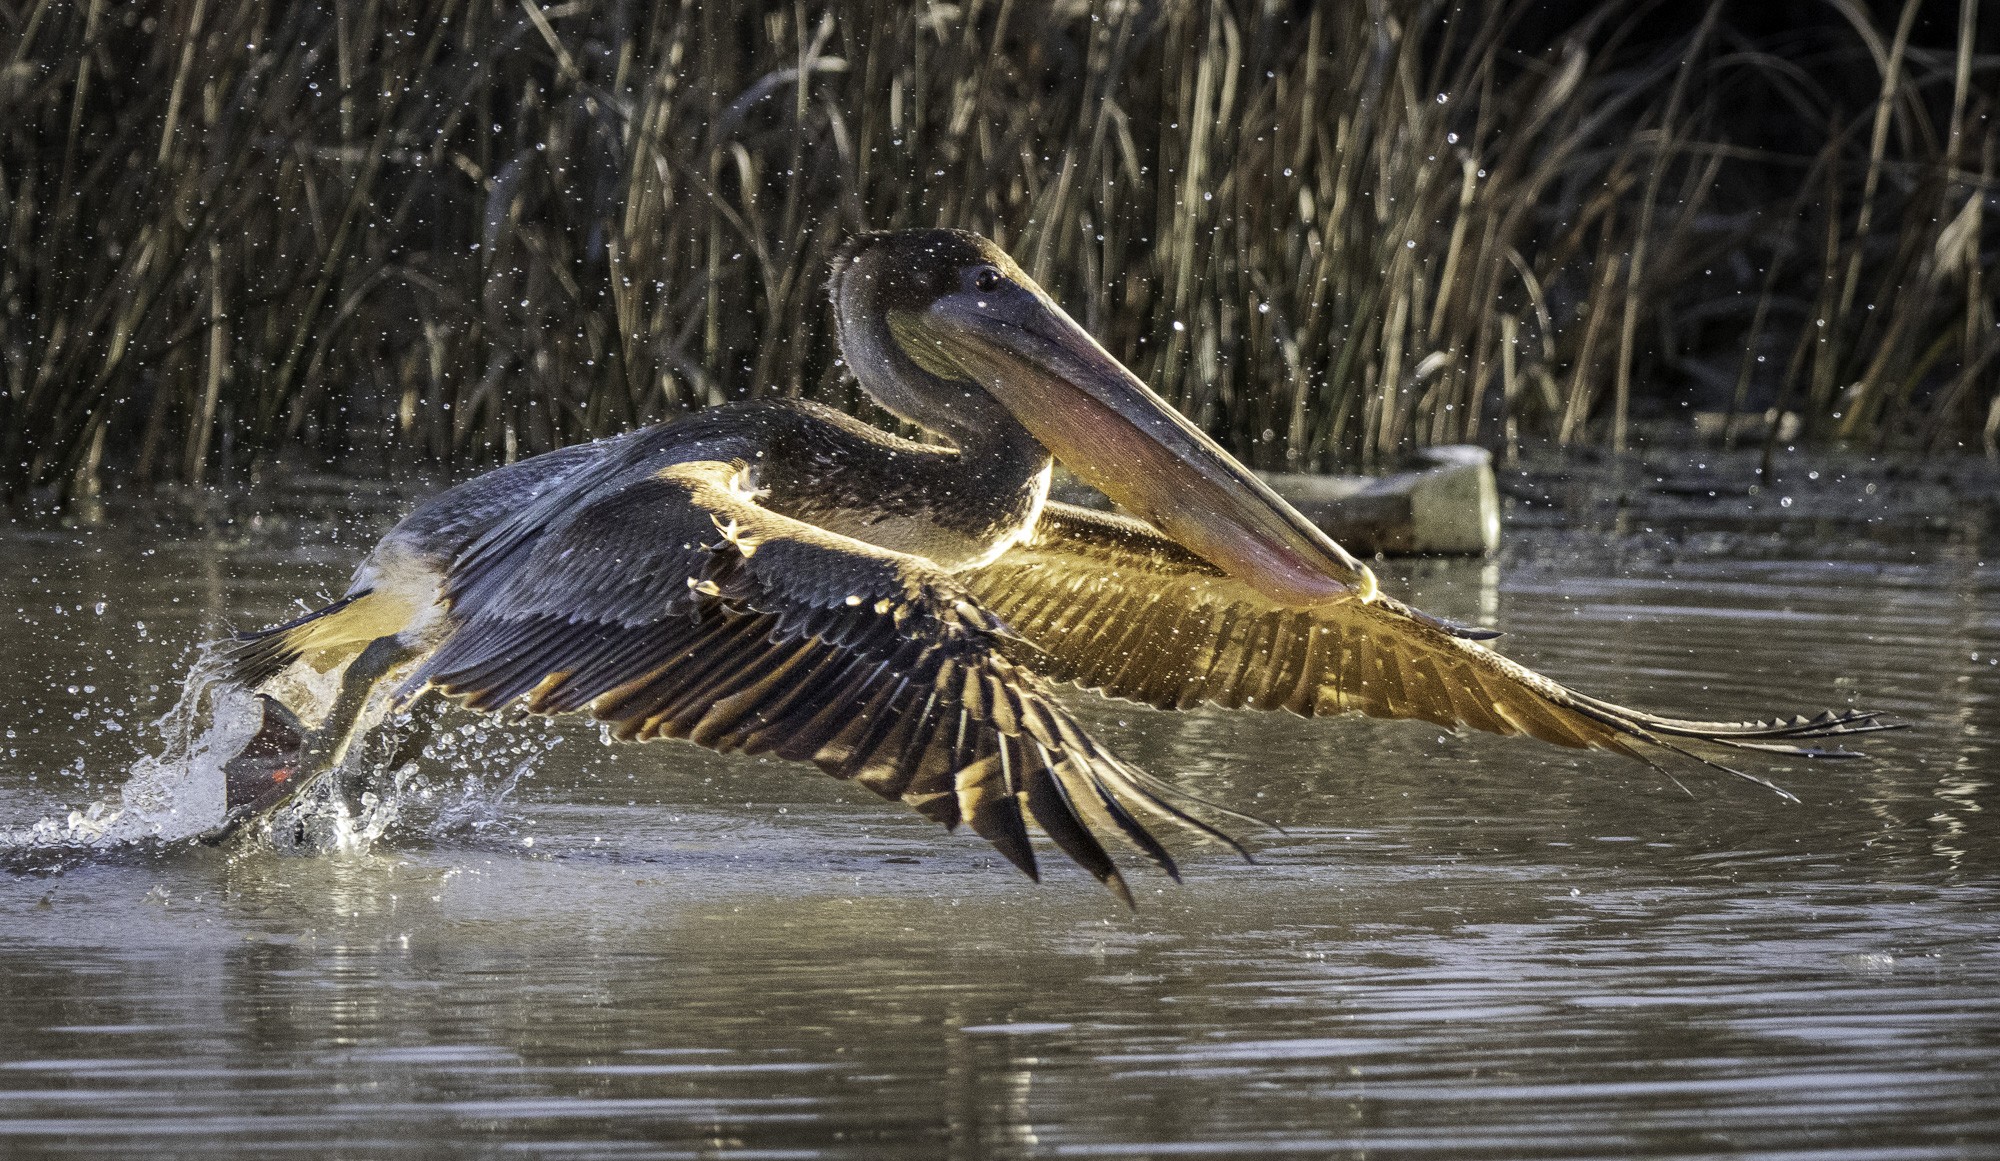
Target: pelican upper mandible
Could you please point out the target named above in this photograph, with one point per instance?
(774, 577)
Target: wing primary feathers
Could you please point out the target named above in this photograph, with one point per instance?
(1115, 810)
(1159, 797)
(1826, 724)
(1732, 771)
(1049, 803)
(993, 811)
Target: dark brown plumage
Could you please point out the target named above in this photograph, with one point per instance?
(775, 578)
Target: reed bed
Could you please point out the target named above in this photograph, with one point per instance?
(462, 231)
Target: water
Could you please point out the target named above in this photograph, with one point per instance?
(1460, 947)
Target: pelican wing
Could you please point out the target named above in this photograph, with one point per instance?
(668, 603)
(1118, 608)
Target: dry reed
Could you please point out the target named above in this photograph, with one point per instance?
(461, 231)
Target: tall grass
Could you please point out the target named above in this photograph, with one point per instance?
(466, 230)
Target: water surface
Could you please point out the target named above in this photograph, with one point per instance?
(1460, 946)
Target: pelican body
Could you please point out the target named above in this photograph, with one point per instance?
(776, 577)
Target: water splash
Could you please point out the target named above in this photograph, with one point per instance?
(420, 772)
(176, 794)
(425, 775)
(182, 791)
(468, 801)
(321, 820)
(475, 805)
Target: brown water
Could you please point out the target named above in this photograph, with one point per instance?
(1460, 946)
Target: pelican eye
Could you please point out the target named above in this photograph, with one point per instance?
(988, 280)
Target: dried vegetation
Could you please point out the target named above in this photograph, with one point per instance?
(460, 231)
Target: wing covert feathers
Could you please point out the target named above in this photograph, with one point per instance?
(677, 608)
(1117, 608)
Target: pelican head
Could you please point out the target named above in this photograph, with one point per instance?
(942, 328)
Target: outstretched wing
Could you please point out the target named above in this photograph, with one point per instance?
(1118, 608)
(668, 603)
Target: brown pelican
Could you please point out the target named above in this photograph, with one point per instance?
(773, 577)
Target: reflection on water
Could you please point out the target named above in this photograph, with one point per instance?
(1457, 947)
